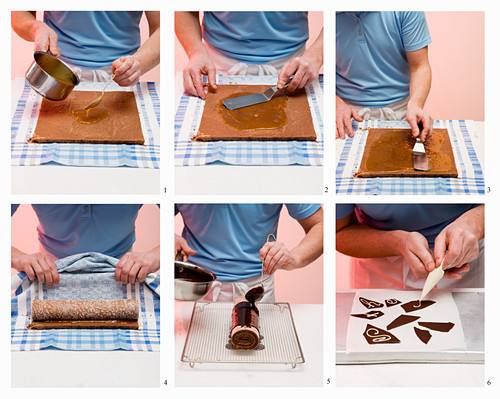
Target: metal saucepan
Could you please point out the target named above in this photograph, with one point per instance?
(192, 282)
(51, 77)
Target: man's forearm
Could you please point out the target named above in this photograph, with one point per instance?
(316, 49)
(148, 54)
(188, 31)
(420, 84)
(362, 241)
(23, 23)
(311, 246)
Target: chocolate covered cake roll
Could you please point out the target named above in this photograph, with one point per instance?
(245, 328)
(121, 313)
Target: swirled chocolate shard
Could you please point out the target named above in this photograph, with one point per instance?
(375, 335)
(416, 305)
(392, 302)
(370, 304)
(401, 321)
(423, 335)
(437, 326)
(373, 314)
(245, 328)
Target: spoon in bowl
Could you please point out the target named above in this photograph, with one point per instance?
(255, 294)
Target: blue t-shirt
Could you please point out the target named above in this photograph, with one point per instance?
(372, 68)
(426, 219)
(227, 238)
(65, 229)
(94, 39)
(256, 37)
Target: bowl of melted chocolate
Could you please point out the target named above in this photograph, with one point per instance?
(192, 282)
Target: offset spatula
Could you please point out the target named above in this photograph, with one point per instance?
(245, 101)
(420, 160)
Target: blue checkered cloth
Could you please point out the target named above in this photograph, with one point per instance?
(88, 276)
(25, 117)
(470, 175)
(191, 153)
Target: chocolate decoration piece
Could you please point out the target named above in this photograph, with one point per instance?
(442, 327)
(286, 117)
(391, 302)
(416, 305)
(423, 335)
(401, 321)
(370, 315)
(57, 124)
(375, 335)
(369, 304)
(389, 153)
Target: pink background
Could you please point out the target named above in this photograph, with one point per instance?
(457, 59)
(22, 53)
(25, 238)
(315, 25)
(298, 286)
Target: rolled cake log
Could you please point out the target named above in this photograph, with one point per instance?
(245, 329)
(121, 313)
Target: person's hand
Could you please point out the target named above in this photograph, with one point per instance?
(459, 239)
(182, 249)
(127, 70)
(415, 250)
(275, 255)
(416, 115)
(45, 39)
(344, 115)
(305, 70)
(199, 64)
(136, 266)
(38, 265)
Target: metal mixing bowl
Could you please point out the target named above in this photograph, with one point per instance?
(51, 77)
(192, 282)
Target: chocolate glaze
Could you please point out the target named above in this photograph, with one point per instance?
(375, 335)
(401, 321)
(195, 276)
(370, 304)
(416, 305)
(244, 314)
(389, 153)
(423, 335)
(267, 115)
(442, 327)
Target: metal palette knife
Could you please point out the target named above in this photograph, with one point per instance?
(246, 101)
(420, 160)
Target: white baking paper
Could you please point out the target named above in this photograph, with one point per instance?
(444, 310)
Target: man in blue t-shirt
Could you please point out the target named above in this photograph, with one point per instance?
(397, 245)
(69, 229)
(248, 43)
(231, 240)
(97, 44)
(382, 69)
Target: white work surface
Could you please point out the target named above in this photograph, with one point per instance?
(60, 179)
(222, 179)
(308, 321)
(409, 374)
(248, 180)
(58, 369)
